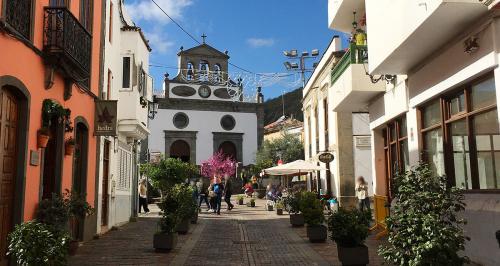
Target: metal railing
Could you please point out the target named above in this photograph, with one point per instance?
(65, 36)
(18, 14)
(357, 54)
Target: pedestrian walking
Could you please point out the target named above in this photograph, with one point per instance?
(228, 193)
(143, 196)
(202, 194)
(218, 189)
(362, 194)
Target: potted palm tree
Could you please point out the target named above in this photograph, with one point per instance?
(43, 136)
(312, 208)
(349, 229)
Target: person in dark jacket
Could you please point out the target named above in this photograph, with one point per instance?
(202, 193)
(228, 193)
(218, 189)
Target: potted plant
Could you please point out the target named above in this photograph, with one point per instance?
(349, 229)
(312, 209)
(78, 209)
(35, 243)
(43, 136)
(292, 206)
(252, 202)
(279, 207)
(270, 206)
(425, 226)
(165, 238)
(240, 199)
(187, 207)
(69, 146)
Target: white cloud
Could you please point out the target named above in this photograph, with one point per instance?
(260, 42)
(147, 10)
(159, 42)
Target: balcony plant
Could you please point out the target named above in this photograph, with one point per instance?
(69, 146)
(292, 206)
(35, 243)
(279, 207)
(43, 136)
(425, 227)
(312, 209)
(240, 199)
(349, 229)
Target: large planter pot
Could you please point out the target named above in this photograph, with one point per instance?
(270, 207)
(183, 227)
(279, 211)
(316, 233)
(260, 192)
(353, 255)
(251, 204)
(240, 202)
(194, 219)
(42, 140)
(297, 219)
(73, 247)
(163, 242)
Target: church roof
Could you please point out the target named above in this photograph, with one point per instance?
(203, 49)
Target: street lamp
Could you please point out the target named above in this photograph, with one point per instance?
(153, 108)
(298, 63)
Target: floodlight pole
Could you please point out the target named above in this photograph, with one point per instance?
(302, 69)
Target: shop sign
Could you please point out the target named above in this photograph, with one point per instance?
(105, 118)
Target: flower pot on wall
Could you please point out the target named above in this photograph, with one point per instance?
(316, 233)
(164, 242)
(353, 255)
(297, 219)
(42, 139)
(68, 149)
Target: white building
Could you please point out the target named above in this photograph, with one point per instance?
(201, 111)
(126, 79)
(440, 104)
(331, 126)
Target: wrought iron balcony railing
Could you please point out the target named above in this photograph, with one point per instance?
(18, 16)
(67, 43)
(357, 54)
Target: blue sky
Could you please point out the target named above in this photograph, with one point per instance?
(254, 32)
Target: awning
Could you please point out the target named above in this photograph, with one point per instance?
(294, 168)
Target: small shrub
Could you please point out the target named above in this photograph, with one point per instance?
(424, 228)
(53, 212)
(312, 208)
(279, 204)
(349, 227)
(34, 243)
(292, 202)
(240, 197)
(77, 204)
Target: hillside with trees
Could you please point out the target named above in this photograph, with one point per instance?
(293, 107)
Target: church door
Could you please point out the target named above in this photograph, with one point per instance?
(180, 150)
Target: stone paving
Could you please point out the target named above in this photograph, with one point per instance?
(243, 236)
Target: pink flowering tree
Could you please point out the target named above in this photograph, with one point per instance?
(218, 165)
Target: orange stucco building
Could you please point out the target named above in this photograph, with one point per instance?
(50, 63)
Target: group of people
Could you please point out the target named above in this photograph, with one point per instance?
(212, 193)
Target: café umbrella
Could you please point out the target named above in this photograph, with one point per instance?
(294, 168)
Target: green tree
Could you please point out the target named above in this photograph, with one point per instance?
(424, 228)
(168, 172)
(288, 148)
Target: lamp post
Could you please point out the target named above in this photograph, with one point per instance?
(153, 108)
(297, 62)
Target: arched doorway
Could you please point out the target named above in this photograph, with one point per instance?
(229, 149)
(180, 150)
(14, 124)
(80, 156)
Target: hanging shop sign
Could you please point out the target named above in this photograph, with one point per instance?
(105, 118)
(326, 157)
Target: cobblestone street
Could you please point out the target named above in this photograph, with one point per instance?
(243, 236)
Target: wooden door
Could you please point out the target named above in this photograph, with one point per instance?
(105, 184)
(8, 139)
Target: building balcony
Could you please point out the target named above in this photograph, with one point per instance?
(340, 13)
(422, 28)
(66, 43)
(351, 86)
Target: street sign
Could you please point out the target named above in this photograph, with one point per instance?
(326, 157)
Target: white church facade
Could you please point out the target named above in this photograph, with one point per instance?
(202, 111)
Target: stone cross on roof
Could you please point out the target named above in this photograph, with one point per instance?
(204, 37)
